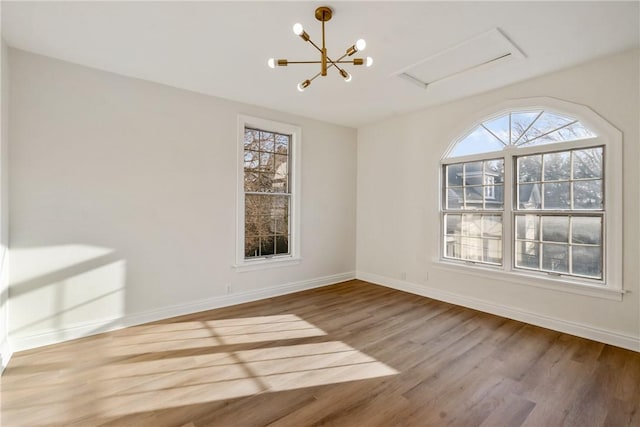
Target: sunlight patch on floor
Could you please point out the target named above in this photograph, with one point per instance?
(154, 367)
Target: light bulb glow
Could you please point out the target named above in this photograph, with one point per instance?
(297, 29)
(348, 79)
(369, 61)
(361, 44)
(271, 63)
(302, 86)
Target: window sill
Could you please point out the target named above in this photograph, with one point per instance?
(556, 284)
(266, 263)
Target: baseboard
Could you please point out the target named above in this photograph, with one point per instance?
(26, 342)
(5, 354)
(585, 331)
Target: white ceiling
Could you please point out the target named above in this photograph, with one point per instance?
(221, 48)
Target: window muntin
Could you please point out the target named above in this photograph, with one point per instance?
(520, 128)
(266, 193)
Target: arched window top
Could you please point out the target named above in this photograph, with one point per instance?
(521, 128)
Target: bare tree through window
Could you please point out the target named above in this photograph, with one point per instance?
(267, 193)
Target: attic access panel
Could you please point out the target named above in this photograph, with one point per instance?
(484, 49)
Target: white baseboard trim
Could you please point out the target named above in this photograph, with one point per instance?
(585, 331)
(19, 343)
(5, 354)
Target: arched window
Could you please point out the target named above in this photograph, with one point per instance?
(532, 192)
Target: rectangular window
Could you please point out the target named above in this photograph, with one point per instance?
(268, 199)
(266, 193)
(560, 212)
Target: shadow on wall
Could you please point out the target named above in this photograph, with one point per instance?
(55, 290)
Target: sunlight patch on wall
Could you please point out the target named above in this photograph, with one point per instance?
(56, 288)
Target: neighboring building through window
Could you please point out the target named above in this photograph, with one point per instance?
(526, 191)
(268, 211)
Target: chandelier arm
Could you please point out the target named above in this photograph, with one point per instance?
(303, 62)
(315, 45)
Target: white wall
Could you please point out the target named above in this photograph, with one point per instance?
(123, 202)
(398, 219)
(5, 351)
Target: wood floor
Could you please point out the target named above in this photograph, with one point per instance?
(352, 354)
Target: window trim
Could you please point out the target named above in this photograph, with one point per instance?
(611, 286)
(293, 257)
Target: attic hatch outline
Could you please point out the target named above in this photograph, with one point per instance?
(488, 48)
(519, 128)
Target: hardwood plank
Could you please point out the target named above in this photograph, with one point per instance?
(350, 354)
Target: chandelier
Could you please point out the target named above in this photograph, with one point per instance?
(323, 14)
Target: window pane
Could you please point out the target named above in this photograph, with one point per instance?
(453, 247)
(499, 127)
(453, 224)
(251, 159)
(471, 225)
(473, 197)
(267, 142)
(586, 230)
(529, 196)
(267, 245)
(473, 173)
(492, 251)
(472, 248)
(587, 194)
(282, 244)
(251, 246)
(527, 227)
(530, 168)
(251, 182)
(548, 122)
(454, 174)
(282, 144)
(587, 163)
(555, 229)
(520, 122)
(494, 196)
(251, 139)
(281, 175)
(491, 226)
(528, 255)
(455, 198)
(587, 261)
(557, 166)
(256, 217)
(556, 195)
(478, 141)
(555, 258)
(495, 169)
(575, 131)
(266, 162)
